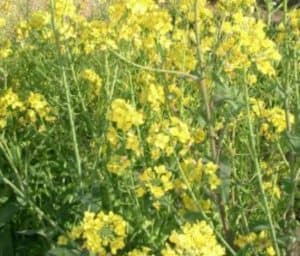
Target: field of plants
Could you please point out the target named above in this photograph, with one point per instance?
(139, 128)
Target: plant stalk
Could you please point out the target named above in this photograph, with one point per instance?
(259, 173)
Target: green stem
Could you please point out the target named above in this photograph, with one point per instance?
(286, 65)
(175, 72)
(212, 137)
(9, 157)
(72, 124)
(259, 173)
(68, 95)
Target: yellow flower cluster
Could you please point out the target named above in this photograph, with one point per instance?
(38, 107)
(259, 241)
(100, 233)
(94, 81)
(118, 164)
(154, 95)
(273, 120)
(9, 105)
(211, 170)
(147, 27)
(179, 130)
(163, 136)
(124, 115)
(64, 8)
(269, 183)
(195, 239)
(141, 24)
(112, 136)
(181, 57)
(245, 43)
(30, 111)
(272, 189)
(133, 144)
(192, 206)
(39, 19)
(195, 171)
(198, 174)
(157, 181)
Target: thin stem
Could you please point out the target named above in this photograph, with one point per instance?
(208, 109)
(8, 155)
(204, 88)
(269, 5)
(72, 124)
(77, 84)
(259, 173)
(175, 72)
(285, 160)
(295, 179)
(68, 95)
(286, 68)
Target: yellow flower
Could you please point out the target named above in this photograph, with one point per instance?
(118, 164)
(199, 135)
(62, 240)
(132, 143)
(270, 251)
(39, 19)
(37, 103)
(242, 240)
(10, 106)
(156, 191)
(193, 169)
(195, 239)
(101, 233)
(274, 120)
(112, 136)
(156, 181)
(179, 130)
(211, 170)
(251, 79)
(124, 115)
(155, 96)
(189, 203)
(94, 80)
(144, 251)
(265, 67)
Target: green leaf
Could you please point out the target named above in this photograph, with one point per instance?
(295, 142)
(225, 176)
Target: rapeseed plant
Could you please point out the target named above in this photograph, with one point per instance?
(180, 116)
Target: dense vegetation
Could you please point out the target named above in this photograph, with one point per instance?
(150, 128)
